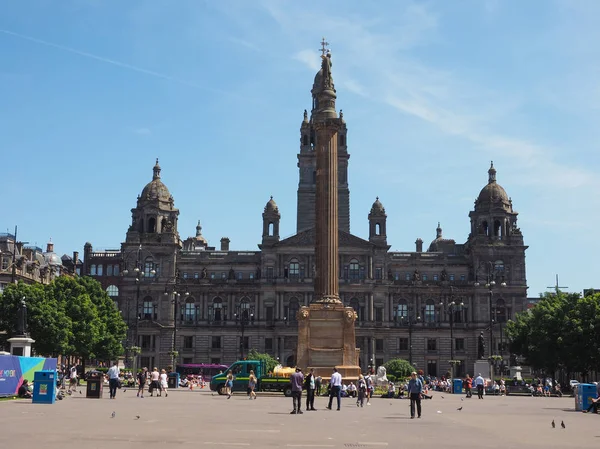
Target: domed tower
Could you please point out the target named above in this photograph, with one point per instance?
(440, 244)
(323, 106)
(152, 239)
(377, 224)
(271, 218)
(495, 242)
(155, 213)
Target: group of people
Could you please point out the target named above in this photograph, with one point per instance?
(156, 381)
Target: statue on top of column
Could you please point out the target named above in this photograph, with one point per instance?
(22, 318)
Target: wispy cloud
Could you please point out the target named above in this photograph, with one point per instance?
(244, 43)
(377, 53)
(142, 131)
(105, 60)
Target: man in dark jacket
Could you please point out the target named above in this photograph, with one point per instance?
(309, 386)
(297, 380)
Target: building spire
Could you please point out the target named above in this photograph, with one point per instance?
(492, 173)
(156, 170)
(438, 231)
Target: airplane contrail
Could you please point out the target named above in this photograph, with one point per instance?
(106, 60)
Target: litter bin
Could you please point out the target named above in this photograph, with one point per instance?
(584, 395)
(173, 380)
(44, 387)
(457, 386)
(95, 383)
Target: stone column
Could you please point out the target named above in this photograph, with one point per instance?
(326, 211)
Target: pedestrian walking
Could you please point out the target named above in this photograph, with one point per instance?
(309, 386)
(318, 383)
(362, 391)
(229, 384)
(154, 381)
(72, 379)
(335, 384)
(468, 386)
(252, 384)
(164, 384)
(479, 384)
(141, 378)
(370, 389)
(297, 380)
(113, 380)
(415, 389)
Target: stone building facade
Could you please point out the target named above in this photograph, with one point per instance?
(217, 302)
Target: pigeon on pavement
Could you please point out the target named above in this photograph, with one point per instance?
(459, 409)
(553, 424)
(562, 424)
(113, 414)
(137, 417)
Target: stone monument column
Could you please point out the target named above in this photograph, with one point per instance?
(326, 233)
(20, 344)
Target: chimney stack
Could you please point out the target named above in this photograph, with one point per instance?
(419, 244)
(225, 244)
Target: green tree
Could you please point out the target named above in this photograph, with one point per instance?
(270, 362)
(398, 368)
(112, 329)
(47, 322)
(561, 331)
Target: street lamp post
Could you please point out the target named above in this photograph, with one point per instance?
(243, 317)
(175, 300)
(490, 284)
(139, 274)
(411, 320)
(451, 308)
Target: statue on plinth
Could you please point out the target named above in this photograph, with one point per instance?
(22, 319)
(481, 346)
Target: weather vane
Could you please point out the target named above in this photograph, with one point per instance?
(324, 45)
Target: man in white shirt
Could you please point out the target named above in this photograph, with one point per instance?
(154, 381)
(335, 389)
(113, 379)
(72, 379)
(479, 383)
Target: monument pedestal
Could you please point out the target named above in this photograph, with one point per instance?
(21, 346)
(515, 372)
(482, 367)
(327, 339)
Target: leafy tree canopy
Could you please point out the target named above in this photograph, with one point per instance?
(270, 362)
(398, 368)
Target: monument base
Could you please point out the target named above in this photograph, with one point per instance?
(326, 339)
(21, 346)
(482, 367)
(515, 372)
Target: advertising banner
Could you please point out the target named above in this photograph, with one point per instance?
(14, 369)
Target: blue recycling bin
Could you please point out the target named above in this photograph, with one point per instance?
(584, 395)
(173, 380)
(457, 386)
(44, 387)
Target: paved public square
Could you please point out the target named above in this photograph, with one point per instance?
(204, 420)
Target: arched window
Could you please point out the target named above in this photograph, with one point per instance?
(112, 290)
(152, 225)
(245, 309)
(270, 229)
(305, 140)
(377, 229)
(149, 267)
(499, 266)
(497, 229)
(148, 309)
(500, 311)
(401, 312)
(429, 311)
(293, 308)
(217, 309)
(484, 228)
(294, 270)
(189, 311)
(92, 270)
(291, 361)
(354, 269)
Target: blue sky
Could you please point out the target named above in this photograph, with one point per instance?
(92, 91)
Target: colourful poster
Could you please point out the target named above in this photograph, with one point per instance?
(13, 369)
